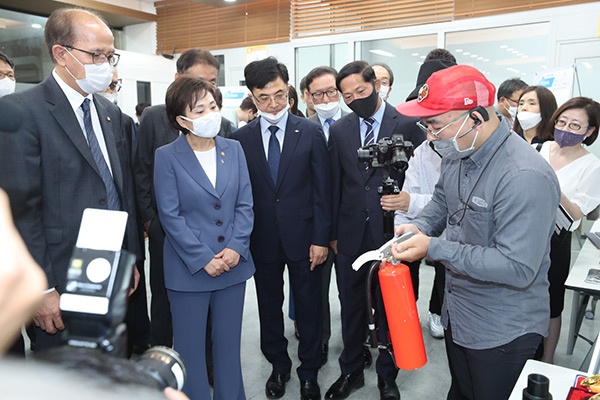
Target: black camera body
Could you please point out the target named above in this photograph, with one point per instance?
(391, 153)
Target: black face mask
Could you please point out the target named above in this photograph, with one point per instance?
(365, 107)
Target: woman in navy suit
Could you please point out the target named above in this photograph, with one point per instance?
(204, 202)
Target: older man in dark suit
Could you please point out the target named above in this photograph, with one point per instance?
(289, 170)
(70, 154)
(358, 219)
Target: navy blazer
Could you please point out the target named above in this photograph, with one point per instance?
(200, 220)
(355, 197)
(51, 176)
(295, 212)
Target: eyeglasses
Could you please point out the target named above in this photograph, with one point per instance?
(512, 100)
(9, 75)
(574, 126)
(116, 85)
(331, 93)
(99, 58)
(423, 126)
(278, 98)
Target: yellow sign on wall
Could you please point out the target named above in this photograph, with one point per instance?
(255, 53)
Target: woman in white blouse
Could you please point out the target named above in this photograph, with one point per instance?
(578, 171)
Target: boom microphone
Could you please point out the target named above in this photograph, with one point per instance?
(11, 116)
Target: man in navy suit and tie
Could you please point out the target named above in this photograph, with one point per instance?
(70, 154)
(357, 224)
(289, 170)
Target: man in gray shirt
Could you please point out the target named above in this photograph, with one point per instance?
(497, 202)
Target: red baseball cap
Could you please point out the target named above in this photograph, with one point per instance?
(460, 87)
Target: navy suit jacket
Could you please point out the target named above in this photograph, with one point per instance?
(295, 212)
(355, 197)
(51, 176)
(155, 131)
(200, 220)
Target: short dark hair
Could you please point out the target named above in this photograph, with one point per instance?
(293, 95)
(61, 30)
(356, 67)
(591, 108)
(248, 104)
(4, 57)
(509, 86)
(259, 73)
(302, 85)
(440, 54)
(317, 72)
(139, 109)
(219, 98)
(183, 93)
(547, 103)
(387, 68)
(192, 57)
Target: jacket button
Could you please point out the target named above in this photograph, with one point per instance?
(221, 239)
(219, 222)
(102, 201)
(277, 200)
(217, 206)
(367, 188)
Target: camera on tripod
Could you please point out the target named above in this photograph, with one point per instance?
(390, 153)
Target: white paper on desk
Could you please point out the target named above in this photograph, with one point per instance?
(563, 220)
(102, 229)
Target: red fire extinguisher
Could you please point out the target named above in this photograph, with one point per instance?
(402, 316)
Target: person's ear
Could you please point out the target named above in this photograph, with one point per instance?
(59, 54)
(182, 123)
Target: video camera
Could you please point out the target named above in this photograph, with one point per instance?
(94, 302)
(390, 153)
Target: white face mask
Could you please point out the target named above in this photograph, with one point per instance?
(110, 96)
(512, 111)
(274, 118)
(207, 126)
(327, 110)
(449, 148)
(383, 92)
(97, 77)
(528, 119)
(7, 86)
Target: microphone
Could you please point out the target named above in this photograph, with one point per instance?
(11, 116)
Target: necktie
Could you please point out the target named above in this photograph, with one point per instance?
(369, 135)
(274, 153)
(109, 183)
(329, 121)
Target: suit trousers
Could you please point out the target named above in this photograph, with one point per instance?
(161, 329)
(306, 289)
(488, 374)
(352, 286)
(190, 317)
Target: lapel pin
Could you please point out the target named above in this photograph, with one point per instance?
(222, 154)
(108, 118)
(296, 131)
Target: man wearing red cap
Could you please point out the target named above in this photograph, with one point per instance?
(496, 202)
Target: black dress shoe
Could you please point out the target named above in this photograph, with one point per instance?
(367, 357)
(309, 390)
(324, 353)
(342, 388)
(275, 387)
(388, 390)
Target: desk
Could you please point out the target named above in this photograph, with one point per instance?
(589, 257)
(561, 379)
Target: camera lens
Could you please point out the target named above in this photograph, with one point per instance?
(165, 365)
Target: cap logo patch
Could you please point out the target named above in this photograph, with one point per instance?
(423, 92)
(468, 101)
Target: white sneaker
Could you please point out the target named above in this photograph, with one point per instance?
(435, 326)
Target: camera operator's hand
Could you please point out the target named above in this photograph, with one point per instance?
(173, 394)
(216, 267)
(412, 249)
(230, 257)
(47, 317)
(318, 255)
(393, 202)
(136, 280)
(333, 245)
(22, 281)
